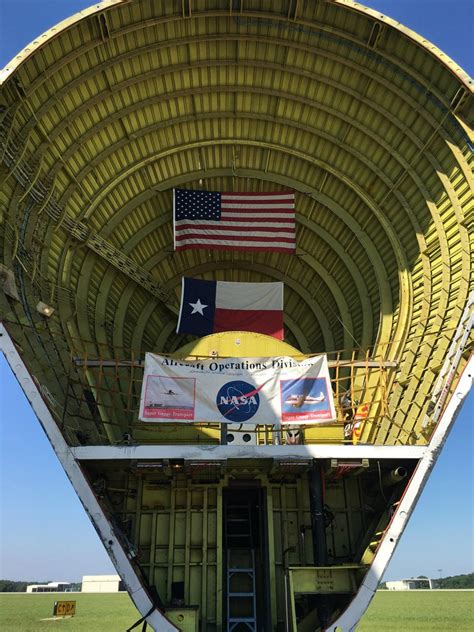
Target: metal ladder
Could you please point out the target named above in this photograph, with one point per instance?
(241, 595)
(448, 371)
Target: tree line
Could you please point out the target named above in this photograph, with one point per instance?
(8, 585)
(454, 581)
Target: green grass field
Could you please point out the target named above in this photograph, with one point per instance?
(414, 611)
(389, 612)
(23, 612)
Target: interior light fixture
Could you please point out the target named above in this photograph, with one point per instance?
(44, 309)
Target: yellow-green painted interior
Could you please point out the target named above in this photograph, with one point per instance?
(369, 124)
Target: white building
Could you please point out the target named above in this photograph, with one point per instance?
(50, 587)
(102, 583)
(411, 584)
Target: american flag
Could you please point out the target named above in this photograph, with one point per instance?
(234, 221)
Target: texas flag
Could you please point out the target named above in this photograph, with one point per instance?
(208, 307)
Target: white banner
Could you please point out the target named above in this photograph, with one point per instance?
(237, 390)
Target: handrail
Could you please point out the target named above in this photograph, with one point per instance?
(108, 391)
(450, 365)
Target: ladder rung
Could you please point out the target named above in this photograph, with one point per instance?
(241, 570)
(241, 594)
(234, 536)
(242, 620)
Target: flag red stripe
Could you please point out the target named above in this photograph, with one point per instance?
(250, 208)
(260, 220)
(246, 237)
(267, 194)
(268, 322)
(287, 249)
(237, 229)
(272, 206)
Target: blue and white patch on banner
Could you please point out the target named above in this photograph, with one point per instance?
(238, 401)
(198, 305)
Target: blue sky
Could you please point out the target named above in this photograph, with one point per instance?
(44, 531)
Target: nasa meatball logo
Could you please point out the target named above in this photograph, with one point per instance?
(238, 401)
